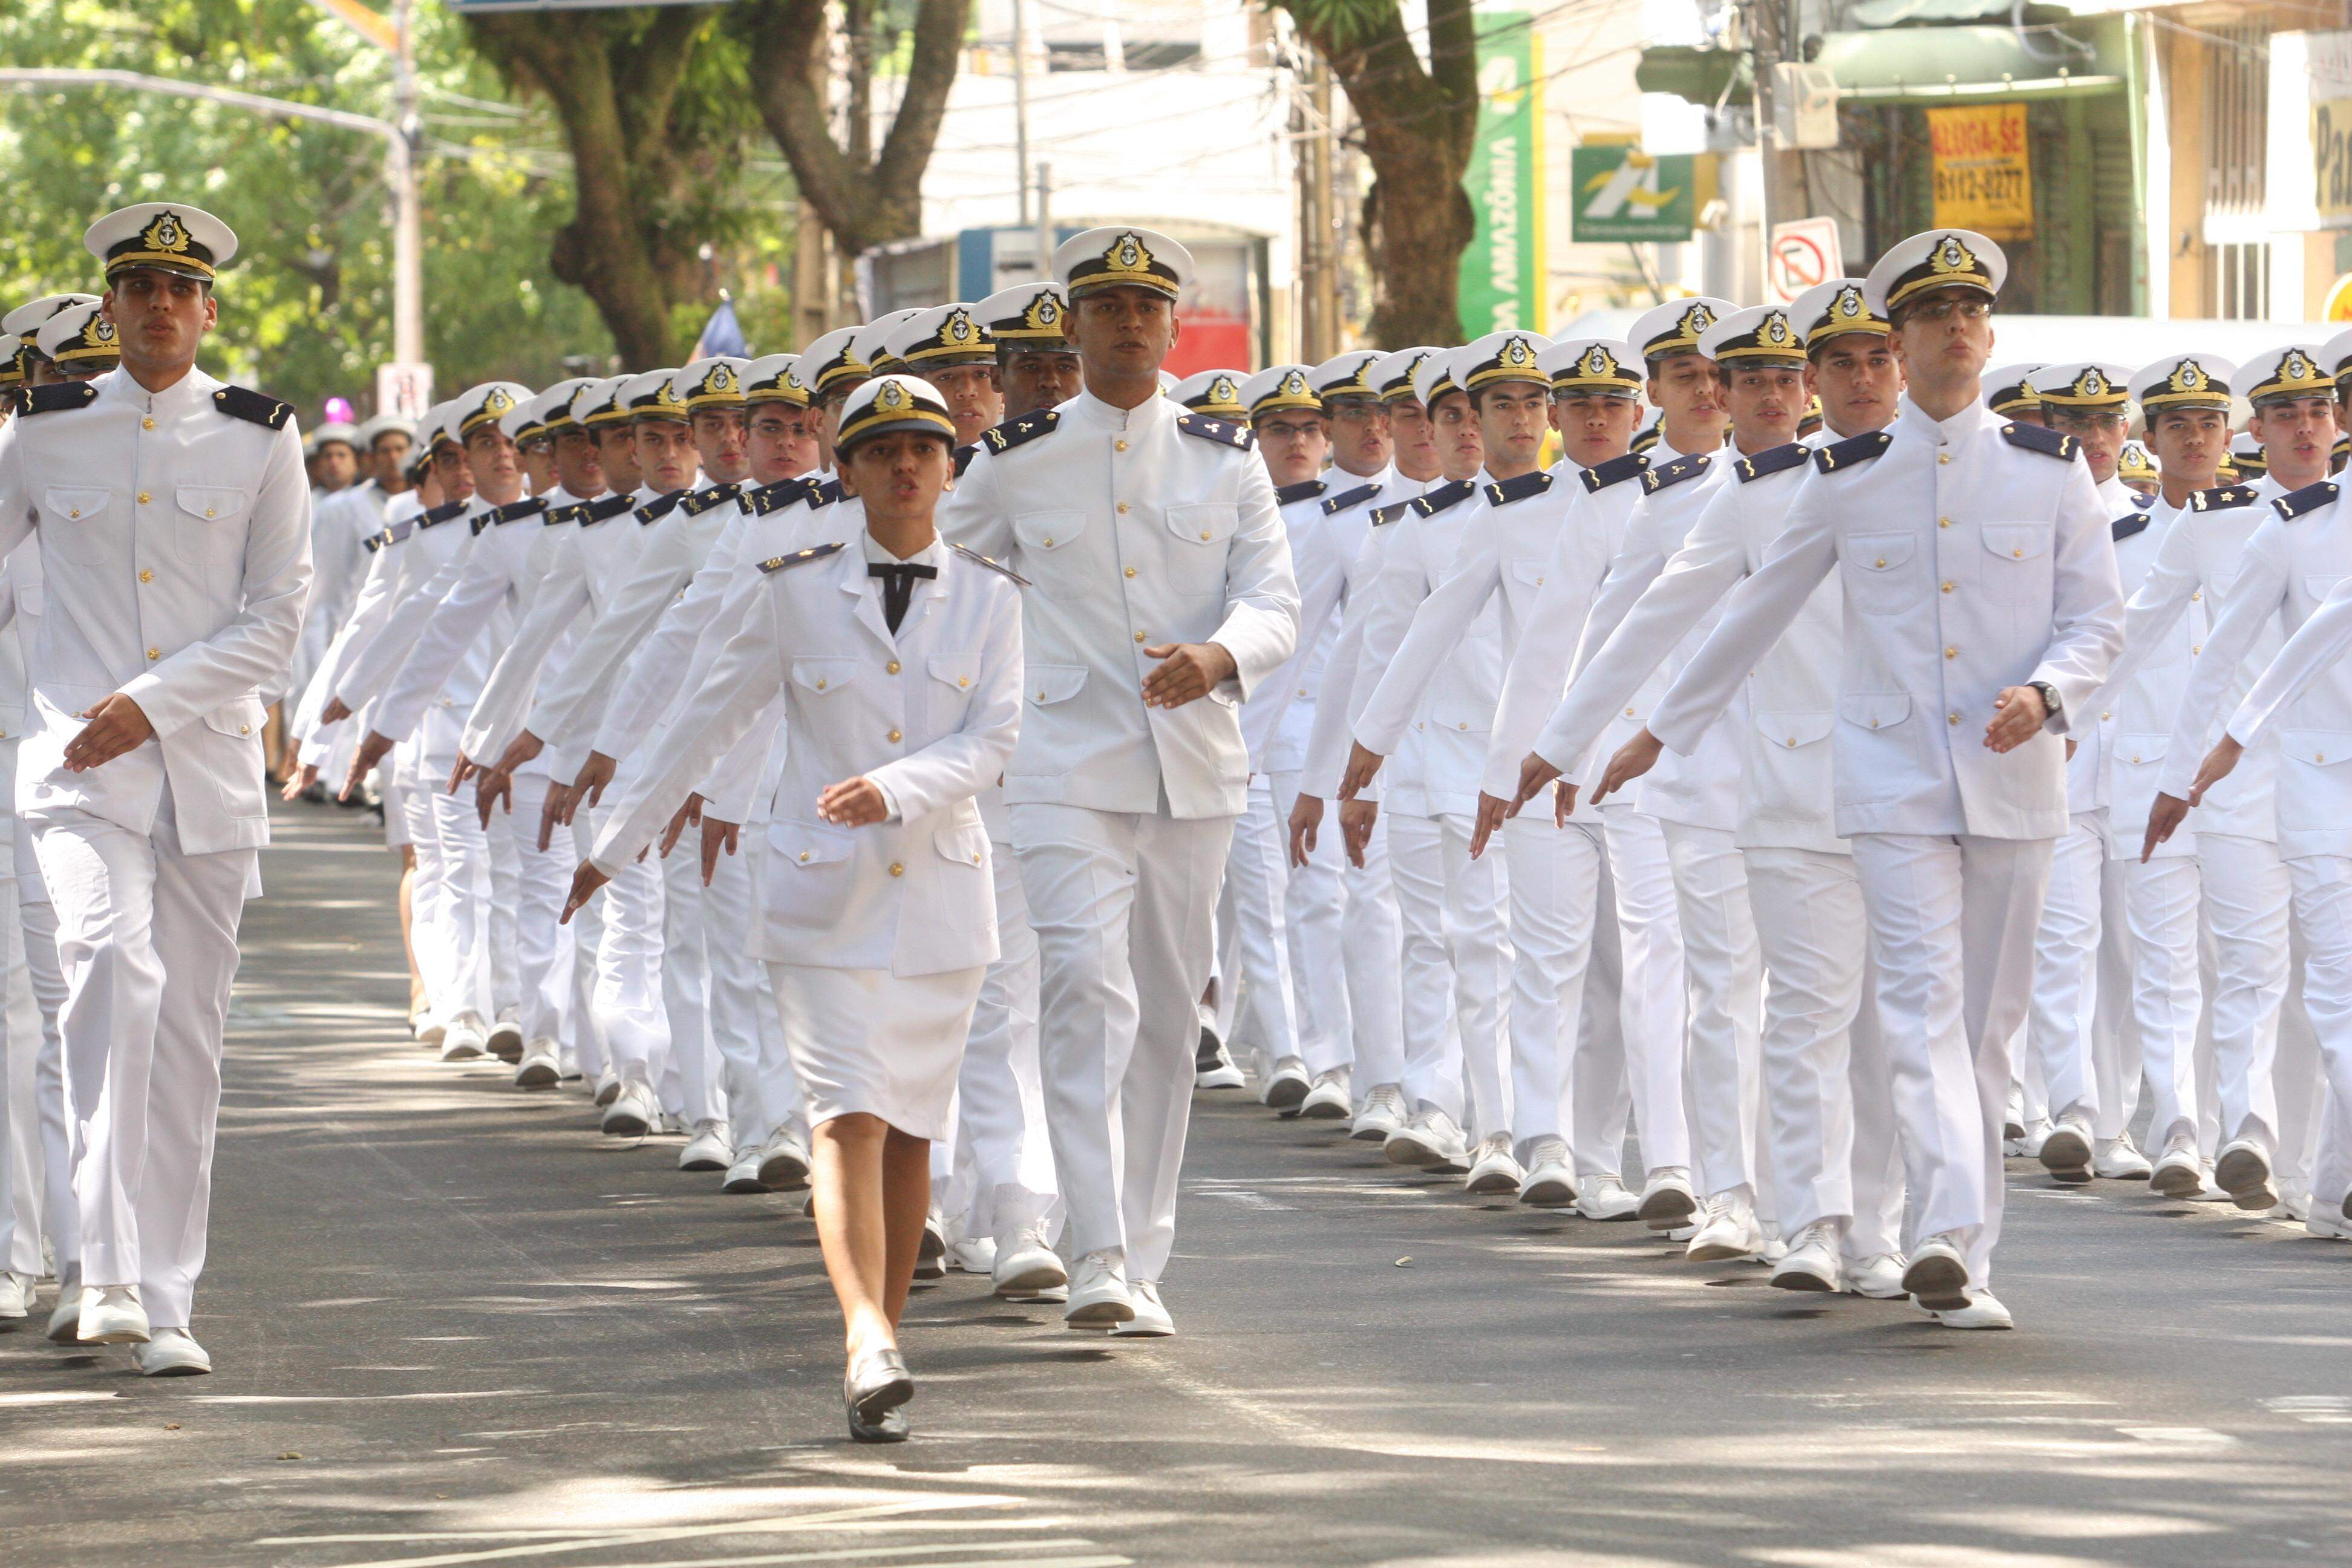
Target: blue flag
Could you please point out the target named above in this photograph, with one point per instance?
(722, 335)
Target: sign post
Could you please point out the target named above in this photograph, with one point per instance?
(1804, 252)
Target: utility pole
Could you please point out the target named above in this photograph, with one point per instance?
(1318, 291)
(1784, 169)
(1021, 137)
(407, 209)
(1044, 221)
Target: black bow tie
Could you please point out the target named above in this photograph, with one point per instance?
(897, 586)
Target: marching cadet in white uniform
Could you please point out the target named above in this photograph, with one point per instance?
(899, 660)
(174, 533)
(1836, 1183)
(2080, 1027)
(1162, 593)
(1980, 591)
(2292, 560)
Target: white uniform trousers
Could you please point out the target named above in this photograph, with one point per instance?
(1343, 922)
(690, 1080)
(761, 1092)
(1004, 1177)
(544, 948)
(2079, 1028)
(1253, 931)
(2162, 900)
(2323, 910)
(627, 1003)
(1600, 1100)
(23, 1183)
(1124, 906)
(1555, 887)
(1478, 946)
(61, 1219)
(2326, 1152)
(1828, 1103)
(428, 891)
(2116, 1051)
(583, 1049)
(464, 912)
(1653, 993)
(1721, 1083)
(1432, 1068)
(147, 941)
(2246, 891)
(1952, 921)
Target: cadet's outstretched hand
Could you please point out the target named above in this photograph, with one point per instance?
(2164, 819)
(1188, 672)
(2217, 767)
(585, 883)
(1634, 758)
(718, 837)
(1305, 818)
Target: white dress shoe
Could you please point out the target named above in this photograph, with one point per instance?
(1211, 1067)
(1152, 1320)
(504, 1040)
(1878, 1277)
(608, 1087)
(1328, 1098)
(2066, 1152)
(111, 1315)
(171, 1352)
(429, 1030)
(631, 1113)
(2318, 1222)
(2209, 1191)
(1025, 1267)
(1551, 1181)
(1811, 1262)
(16, 1294)
(1383, 1111)
(2243, 1171)
(1984, 1311)
(1606, 1196)
(932, 1252)
(1492, 1168)
(710, 1148)
(1286, 1086)
(1730, 1231)
(464, 1041)
(2177, 1172)
(1667, 1199)
(1937, 1278)
(1430, 1140)
(1099, 1298)
(785, 1162)
(65, 1317)
(2037, 1133)
(2295, 1207)
(540, 1066)
(972, 1255)
(2119, 1159)
(743, 1175)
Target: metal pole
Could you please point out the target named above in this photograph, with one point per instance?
(1325, 340)
(1044, 221)
(408, 218)
(1020, 114)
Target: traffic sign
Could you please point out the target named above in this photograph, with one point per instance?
(1804, 253)
(404, 389)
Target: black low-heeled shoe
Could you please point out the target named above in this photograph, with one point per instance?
(873, 1392)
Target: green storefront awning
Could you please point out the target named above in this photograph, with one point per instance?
(1941, 65)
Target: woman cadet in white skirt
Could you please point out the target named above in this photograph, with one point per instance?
(897, 659)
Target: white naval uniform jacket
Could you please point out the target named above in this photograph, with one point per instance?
(929, 714)
(2092, 730)
(1327, 522)
(2293, 563)
(175, 558)
(369, 607)
(1602, 499)
(1341, 700)
(442, 675)
(2134, 715)
(425, 563)
(1134, 527)
(2195, 570)
(1701, 789)
(1974, 556)
(1783, 753)
(590, 537)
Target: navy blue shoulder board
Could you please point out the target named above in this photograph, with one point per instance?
(1687, 467)
(597, 510)
(702, 501)
(1616, 470)
(2222, 496)
(775, 497)
(2038, 438)
(2125, 527)
(1382, 516)
(239, 403)
(1305, 489)
(1779, 460)
(57, 396)
(2311, 498)
(801, 557)
(1209, 430)
(441, 514)
(658, 508)
(1334, 505)
(1503, 492)
(1453, 492)
(1028, 428)
(1848, 453)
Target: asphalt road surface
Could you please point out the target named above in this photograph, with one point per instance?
(455, 1326)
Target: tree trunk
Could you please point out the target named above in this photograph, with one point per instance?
(1418, 126)
(863, 199)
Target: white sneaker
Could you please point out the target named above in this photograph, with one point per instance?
(504, 1040)
(429, 1030)
(1099, 1298)
(171, 1352)
(464, 1039)
(1213, 1068)
(1286, 1086)
(1025, 1267)
(1152, 1320)
(2066, 1153)
(111, 1315)
(743, 1175)
(65, 1317)
(1811, 1262)
(1383, 1113)
(631, 1113)
(1328, 1098)
(1430, 1140)
(608, 1087)
(16, 1294)
(1492, 1168)
(710, 1148)
(1937, 1278)
(2178, 1172)
(2119, 1159)
(972, 1255)
(1667, 1199)
(785, 1162)
(1606, 1196)
(1984, 1311)
(2243, 1171)
(1878, 1277)
(539, 1066)
(1729, 1232)
(1551, 1181)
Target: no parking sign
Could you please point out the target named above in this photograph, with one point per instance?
(1803, 253)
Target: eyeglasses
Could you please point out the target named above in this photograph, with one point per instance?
(2088, 419)
(1944, 309)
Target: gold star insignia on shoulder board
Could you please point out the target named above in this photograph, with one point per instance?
(801, 557)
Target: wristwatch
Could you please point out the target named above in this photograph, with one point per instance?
(2051, 707)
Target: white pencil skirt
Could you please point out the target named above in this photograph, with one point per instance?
(868, 1040)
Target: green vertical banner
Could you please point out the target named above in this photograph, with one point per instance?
(1502, 281)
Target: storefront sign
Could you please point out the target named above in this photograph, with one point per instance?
(1502, 278)
(1983, 170)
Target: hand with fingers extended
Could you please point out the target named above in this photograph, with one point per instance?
(491, 791)
(334, 713)
(301, 779)
(520, 749)
(556, 812)
(2018, 716)
(594, 774)
(372, 750)
(585, 883)
(717, 838)
(688, 815)
(1306, 819)
(1356, 820)
(1534, 774)
(1634, 758)
(1188, 672)
(1492, 810)
(1363, 766)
